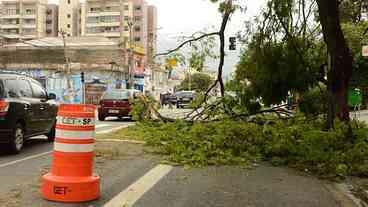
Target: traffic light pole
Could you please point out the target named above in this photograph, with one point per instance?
(83, 88)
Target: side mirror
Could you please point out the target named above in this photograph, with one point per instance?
(51, 96)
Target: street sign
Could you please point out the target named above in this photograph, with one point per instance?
(365, 51)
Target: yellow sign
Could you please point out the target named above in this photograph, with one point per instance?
(139, 50)
(171, 62)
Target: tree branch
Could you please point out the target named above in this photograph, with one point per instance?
(187, 42)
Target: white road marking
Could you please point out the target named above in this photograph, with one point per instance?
(25, 159)
(101, 125)
(130, 195)
(112, 130)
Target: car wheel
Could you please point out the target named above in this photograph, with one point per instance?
(17, 141)
(101, 118)
(51, 134)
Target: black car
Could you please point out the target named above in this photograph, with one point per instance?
(184, 98)
(26, 110)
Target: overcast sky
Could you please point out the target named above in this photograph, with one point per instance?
(184, 17)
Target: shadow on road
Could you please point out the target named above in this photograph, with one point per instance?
(29, 145)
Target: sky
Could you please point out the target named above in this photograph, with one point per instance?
(185, 17)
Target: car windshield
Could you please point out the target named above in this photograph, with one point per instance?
(186, 93)
(116, 95)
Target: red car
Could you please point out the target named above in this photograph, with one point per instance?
(116, 103)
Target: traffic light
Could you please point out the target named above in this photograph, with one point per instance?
(232, 45)
(82, 77)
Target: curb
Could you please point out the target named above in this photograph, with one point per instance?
(341, 193)
(113, 130)
(121, 140)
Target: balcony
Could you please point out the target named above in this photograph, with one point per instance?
(10, 16)
(103, 24)
(103, 13)
(9, 26)
(29, 26)
(103, 34)
(29, 16)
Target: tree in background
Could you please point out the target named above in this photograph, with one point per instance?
(197, 82)
(287, 53)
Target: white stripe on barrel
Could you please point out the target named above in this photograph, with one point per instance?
(74, 135)
(63, 147)
(74, 121)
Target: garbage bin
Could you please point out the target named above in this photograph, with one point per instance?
(354, 97)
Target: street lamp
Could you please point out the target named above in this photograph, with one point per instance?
(131, 54)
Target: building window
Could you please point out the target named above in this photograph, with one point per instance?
(68, 25)
(68, 16)
(48, 21)
(126, 7)
(49, 12)
(48, 31)
(137, 39)
(126, 18)
(138, 8)
(68, 35)
(68, 1)
(137, 28)
(137, 18)
(126, 28)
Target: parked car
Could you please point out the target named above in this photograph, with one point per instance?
(26, 110)
(167, 98)
(184, 98)
(116, 103)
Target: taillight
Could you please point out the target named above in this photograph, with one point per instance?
(4, 107)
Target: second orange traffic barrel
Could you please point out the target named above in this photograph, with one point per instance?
(71, 178)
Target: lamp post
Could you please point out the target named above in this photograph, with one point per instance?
(131, 55)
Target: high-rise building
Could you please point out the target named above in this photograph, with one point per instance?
(22, 19)
(107, 18)
(140, 23)
(69, 17)
(52, 14)
(152, 33)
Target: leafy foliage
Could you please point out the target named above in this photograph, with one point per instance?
(297, 142)
(142, 108)
(314, 102)
(274, 69)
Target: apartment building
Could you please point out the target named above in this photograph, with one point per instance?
(69, 17)
(52, 14)
(152, 33)
(140, 23)
(22, 19)
(106, 18)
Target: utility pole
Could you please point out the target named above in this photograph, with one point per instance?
(131, 54)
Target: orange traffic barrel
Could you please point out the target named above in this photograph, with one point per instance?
(71, 178)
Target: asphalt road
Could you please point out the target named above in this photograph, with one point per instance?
(16, 169)
(39, 145)
(131, 174)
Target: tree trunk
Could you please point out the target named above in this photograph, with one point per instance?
(341, 58)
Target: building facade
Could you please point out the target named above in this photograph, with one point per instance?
(22, 19)
(52, 15)
(106, 18)
(69, 15)
(152, 33)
